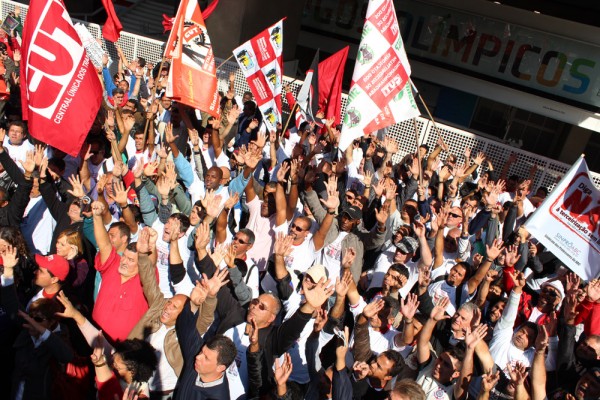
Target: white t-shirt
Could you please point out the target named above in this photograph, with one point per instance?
(383, 263)
(165, 374)
(433, 389)
(263, 229)
(331, 256)
(18, 153)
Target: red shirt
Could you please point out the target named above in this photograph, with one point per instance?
(119, 306)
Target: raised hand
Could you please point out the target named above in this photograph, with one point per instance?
(70, 311)
(163, 186)
(367, 178)
(194, 137)
(512, 255)
(541, 340)
(283, 244)
(473, 337)
(382, 215)
(142, 242)
(169, 137)
(518, 278)
(373, 308)
(29, 163)
(151, 168)
(283, 370)
(319, 294)
(119, 193)
(348, 258)
(361, 370)
(175, 226)
(231, 201)
(489, 381)
(409, 305)
(282, 171)
(439, 311)
(518, 373)
(333, 196)
(97, 208)
(9, 259)
(212, 204)
(198, 294)
(572, 284)
(495, 249)
(320, 320)
(202, 237)
(593, 290)
(343, 285)
(218, 280)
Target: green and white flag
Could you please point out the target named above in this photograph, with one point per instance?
(380, 94)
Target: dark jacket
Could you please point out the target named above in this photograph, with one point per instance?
(12, 214)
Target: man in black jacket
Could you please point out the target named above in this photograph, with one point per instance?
(11, 211)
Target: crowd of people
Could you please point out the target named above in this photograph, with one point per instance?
(180, 256)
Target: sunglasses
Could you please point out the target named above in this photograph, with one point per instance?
(297, 228)
(257, 303)
(454, 215)
(240, 241)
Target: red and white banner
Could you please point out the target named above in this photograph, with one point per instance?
(568, 222)
(192, 77)
(261, 61)
(379, 95)
(60, 89)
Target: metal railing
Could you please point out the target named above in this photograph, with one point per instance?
(548, 172)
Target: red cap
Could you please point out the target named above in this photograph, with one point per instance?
(54, 263)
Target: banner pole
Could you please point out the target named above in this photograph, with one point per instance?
(418, 156)
(427, 110)
(224, 62)
(160, 69)
(289, 117)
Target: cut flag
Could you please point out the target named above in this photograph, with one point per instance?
(167, 21)
(566, 222)
(192, 77)
(308, 96)
(261, 61)
(331, 74)
(379, 95)
(60, 89)
(112, 28)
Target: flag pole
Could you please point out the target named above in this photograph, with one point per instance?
(418, 156)
(160, 69)
(427, 109)
(224, 62)
(289, 117)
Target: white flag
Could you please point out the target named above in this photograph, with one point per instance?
(379, 95)
(568, 222)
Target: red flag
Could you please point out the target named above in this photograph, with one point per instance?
(192, 78)
(112, 27)
(60, 90)
(331, 73)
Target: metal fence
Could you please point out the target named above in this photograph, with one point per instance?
(548, 170)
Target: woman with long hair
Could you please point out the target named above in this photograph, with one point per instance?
(69, 245)
(24, 270)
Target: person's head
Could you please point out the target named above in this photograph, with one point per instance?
(267, 208)
(458, 274)
(57, 165)
(588, 349)
(214, 358)
(300, 228)
(551, 296)
(166, 102)
(226, 175)
(52, 271)
(409, 211)
(124, 85)
(588, 386)
(495, 311)
(386, 366)
(249, 108)
(212, 179)
(396, 277)
(451, 240)
(350, 218)
(175, 117)
(405, 249)
(423, 150)
(401, 233)
(12, 236)
(247, 96)
(134, 360)
(243, 241)
(43, 311)
(447, 366)
(263, 310)
(69, 244)
(172, 309)
(138, 139)
(17, 132)
(541, 192)
(512, 182)
(463, 318)
(385, 317)
(128, 266)
(454, 217)
(184, 224)
(353, 198)
(118, 95)
(119, 235)
(524, 336)
(407, 389)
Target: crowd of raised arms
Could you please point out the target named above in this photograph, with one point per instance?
(186, 257)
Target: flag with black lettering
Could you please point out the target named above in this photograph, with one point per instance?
(379, 95)
(567, 223)
(60, 89)
(260, 59)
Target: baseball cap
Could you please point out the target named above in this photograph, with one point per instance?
(353, 212)
(407, 245)
(316, 272)
(559, 287)
(54, 263)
